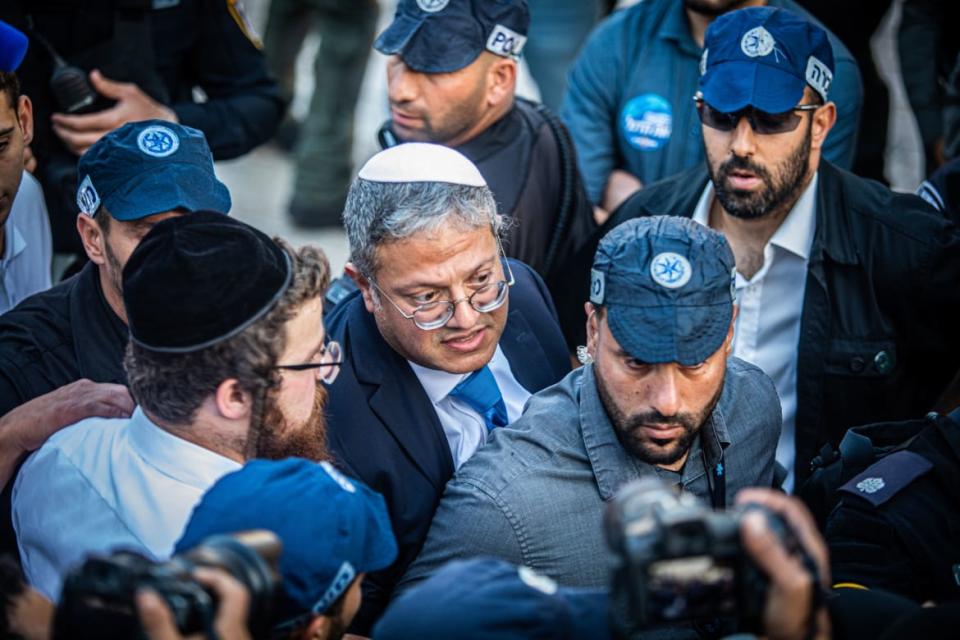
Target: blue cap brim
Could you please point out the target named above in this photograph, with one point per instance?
(168, 187)
(731, 86)
(682, 334)
(13, 47)
(430, 44)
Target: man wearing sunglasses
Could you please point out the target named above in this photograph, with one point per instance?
(445, 340)
(226, 354)
(628, 99)
(848, 292)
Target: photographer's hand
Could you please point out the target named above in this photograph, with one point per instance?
(788, 613)
(231, 620)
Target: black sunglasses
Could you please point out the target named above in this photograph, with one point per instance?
(760, 121)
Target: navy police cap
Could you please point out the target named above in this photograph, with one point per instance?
(764, 57)
(668, 286)
(441, 36)
(333, 528)
(485, 598)
(149, 167)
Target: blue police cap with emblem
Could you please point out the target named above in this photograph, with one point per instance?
(764, 57)
(667, 284)
(440, 36)
(13, 47)
(149, 167)
(333, 528)
(490, 598)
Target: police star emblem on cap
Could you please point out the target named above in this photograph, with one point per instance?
(158, 142)
(670, 270)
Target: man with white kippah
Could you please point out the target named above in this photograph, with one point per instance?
(445, 341)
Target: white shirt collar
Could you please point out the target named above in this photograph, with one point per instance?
(438, 384)
(14, 242)
(795, 233)
(175, 457)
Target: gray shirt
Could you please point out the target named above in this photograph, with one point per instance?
(536, 493)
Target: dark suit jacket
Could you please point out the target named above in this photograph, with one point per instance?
(383, 429)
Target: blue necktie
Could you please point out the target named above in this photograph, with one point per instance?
(481, 393)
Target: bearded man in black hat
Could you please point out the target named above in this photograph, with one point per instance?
(227, 351)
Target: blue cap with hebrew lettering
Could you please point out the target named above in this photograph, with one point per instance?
(149, 167)
(332, 528)
(488, 598)
(13, 47)
(441, 36)
(668, 286)
(764, 57)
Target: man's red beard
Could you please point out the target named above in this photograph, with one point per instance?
(279, 439)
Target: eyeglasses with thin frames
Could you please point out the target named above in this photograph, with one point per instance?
(433, 315)
(760, 121)
(327, 363)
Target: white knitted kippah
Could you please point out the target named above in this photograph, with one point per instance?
(422, 162)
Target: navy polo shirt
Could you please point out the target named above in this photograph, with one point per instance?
(629, 102)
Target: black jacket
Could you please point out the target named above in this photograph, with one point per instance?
(168, 49)
(897, 526)
(880, 326)
(384, 430)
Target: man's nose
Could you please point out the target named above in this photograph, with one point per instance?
(401, 82)
(665, 391)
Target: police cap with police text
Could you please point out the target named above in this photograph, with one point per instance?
(13, 47)
(149, 167)
(199, 279)
(333, 528)
(441, 36)
(490, 598)
(668, 286)
(764, 57)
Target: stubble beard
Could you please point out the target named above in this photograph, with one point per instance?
(644, 449)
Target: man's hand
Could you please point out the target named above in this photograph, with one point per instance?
(133, 105)
(29, 425)
(787, 613)
(233, 605)
(620, 186)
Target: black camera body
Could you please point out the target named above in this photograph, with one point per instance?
(675, 560)
(98, 597)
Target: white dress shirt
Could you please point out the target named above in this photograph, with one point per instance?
(465, 428)
(107, 484)
(27, 248)
(767, 331)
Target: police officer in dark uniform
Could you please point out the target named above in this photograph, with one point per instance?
(131, 179)
(451, 81)
(897, 526)
(151, 55)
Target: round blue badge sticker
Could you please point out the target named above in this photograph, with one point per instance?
(647, 122)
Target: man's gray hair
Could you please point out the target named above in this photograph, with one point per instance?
(378, 213)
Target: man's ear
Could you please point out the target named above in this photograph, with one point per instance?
(823, 120)
(92, 237)
(232, 401)
(593, 327)
(25, 118)
(501, 81)
(363, 284)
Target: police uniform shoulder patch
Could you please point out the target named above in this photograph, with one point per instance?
(239, 15)
(886, 478)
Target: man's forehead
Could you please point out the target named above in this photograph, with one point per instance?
(436, 250)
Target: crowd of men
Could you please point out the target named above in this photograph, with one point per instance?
(679, 279)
